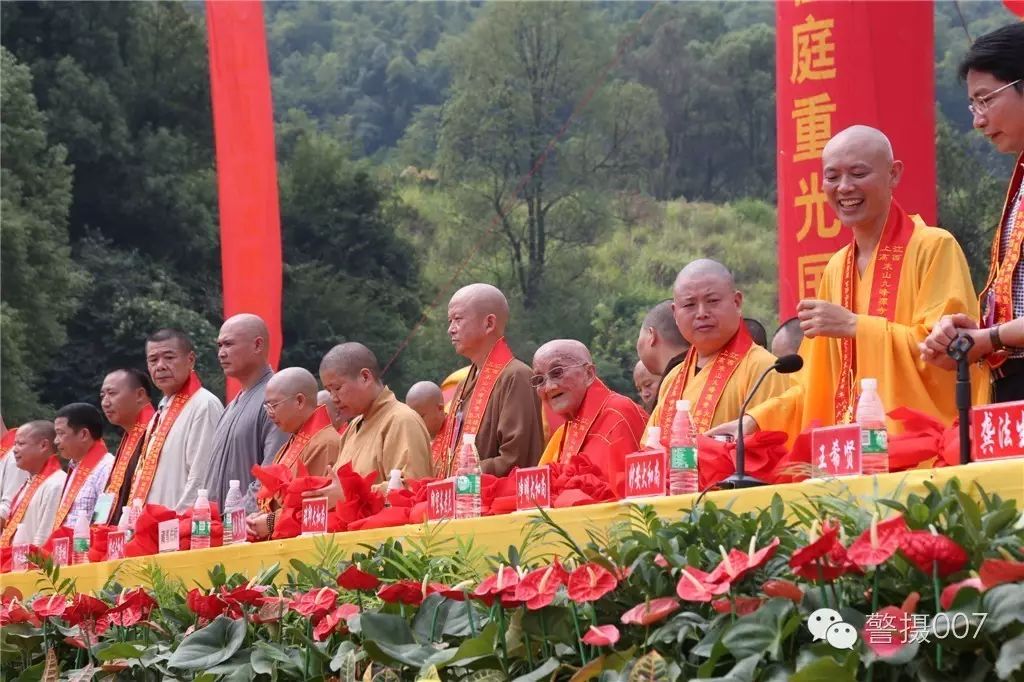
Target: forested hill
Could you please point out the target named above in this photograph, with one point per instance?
(402, 129)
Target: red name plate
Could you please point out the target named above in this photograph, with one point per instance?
(116, 541)
(238, 526)
(836, 451)
(645, 474)
(533, 488)
(441, 500)
(314, 516)
(61, 552)
(997, 431)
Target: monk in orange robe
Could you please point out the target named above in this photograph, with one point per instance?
(877, 301)
(602, 425)
(723, 362)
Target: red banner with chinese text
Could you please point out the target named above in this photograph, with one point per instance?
(839, 64)
(243, 124)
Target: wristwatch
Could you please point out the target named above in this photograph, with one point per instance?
(993, 337)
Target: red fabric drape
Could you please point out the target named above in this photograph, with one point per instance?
(243, 123)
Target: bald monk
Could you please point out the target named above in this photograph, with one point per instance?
(723, 362)
(36, 501)
(788, 338)
(879, 297)
(313, 441)
(339, 421)
(601, 424)
(659, 345)
(426, 398)
(245, 434)
(646, 385)
(495, 401)
(384, 434)
(757, 331)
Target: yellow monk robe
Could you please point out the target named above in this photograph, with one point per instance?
(934, 282)
(733, 370)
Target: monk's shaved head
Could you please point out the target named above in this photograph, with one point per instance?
(424, 393)
(868, 140)
(704, 268)
(349, 359)
(660, 319)
(858, 179)
(567, 351)
(324, 398)
(477, 317)
(37, 429)
(247, 325)
(292, 380)
(484, 299)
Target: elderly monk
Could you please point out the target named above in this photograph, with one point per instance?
(245, 435)
(878, 299)
(339, 420)
(384, 434)
(659, 345)
(124, 399)
(179, 437)
(291, 403)
(35, 504)
(788, 338)
(646, 385)
(11, 477)
(723, 362)
(601, 424)
(495, 402)
(426, 399)
(78, 428)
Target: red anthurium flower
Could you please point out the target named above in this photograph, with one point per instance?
(85, 608)
(737, 563)
(330, 622)
(651, 611)
(695, 585)
(590, 582)
(784, 589)
(207, 606)
(538, 587)
(132, 608)
(998, 571)
(504, 580)
(744, 605)
(886, 632)
(353, 578)
(922, 548)
(272, 609)
(949, 593)
(13, 611)
(50, 607)
(833, 565)
(244, 594)
(601, 635)
(314, 604)
(828, 539)
(409, 592)
(661, 561)
(877, 543)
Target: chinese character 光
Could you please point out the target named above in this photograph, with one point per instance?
(813, 51)
(812, 200)
(813, 118)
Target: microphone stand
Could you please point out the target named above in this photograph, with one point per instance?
(958, 350)
(740, 479)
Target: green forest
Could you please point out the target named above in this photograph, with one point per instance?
(403, 129)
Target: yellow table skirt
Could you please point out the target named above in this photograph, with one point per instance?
(495, 534)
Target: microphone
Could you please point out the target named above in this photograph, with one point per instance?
(787, 364)
(958, 350)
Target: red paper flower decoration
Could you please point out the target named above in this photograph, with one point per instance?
(601, 635)
(922, 548)
(590, 582)
(650, 612)
(353, 578)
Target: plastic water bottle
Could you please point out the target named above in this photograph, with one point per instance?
(19, 548)
(874, 439)
(394, 483)
(80, 541)
(467, 479)
(201, 521)
(682, 473)
(125, 523)
(231, 503)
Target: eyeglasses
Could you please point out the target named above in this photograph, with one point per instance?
(980, 105)
(556, 373)
(272, 407)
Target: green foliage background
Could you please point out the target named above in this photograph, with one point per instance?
(402, 128)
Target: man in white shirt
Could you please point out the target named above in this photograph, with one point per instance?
(35, 504)
(79, 431)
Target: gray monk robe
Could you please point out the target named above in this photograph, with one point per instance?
(245, 436)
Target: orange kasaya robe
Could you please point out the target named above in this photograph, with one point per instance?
(910, 282)
(607, 427)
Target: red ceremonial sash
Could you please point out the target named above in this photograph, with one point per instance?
(7, 442)
(444, 453)
(145, 471)
(997, 296)
(24, 498)
(720, 371)
(76, 479)
(126, 448)
(290, 451)
(885, 282)
(577, 428)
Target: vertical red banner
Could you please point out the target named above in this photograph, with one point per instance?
(243, 124)
(839, 64)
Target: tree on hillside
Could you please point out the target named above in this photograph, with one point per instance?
(519, 72)
(38, 280)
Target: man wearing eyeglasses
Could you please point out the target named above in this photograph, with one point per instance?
(601, 425)
(245, 435)
(994, 71)
(291, 403)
